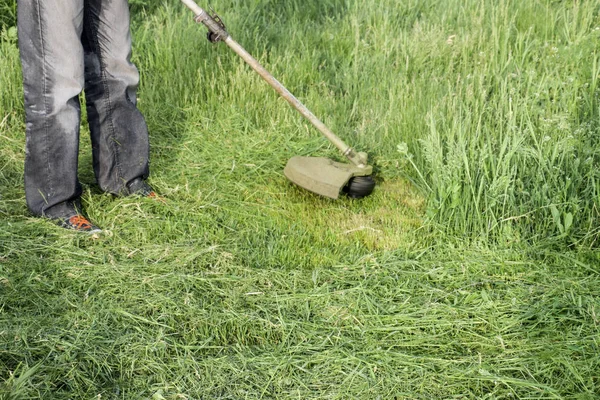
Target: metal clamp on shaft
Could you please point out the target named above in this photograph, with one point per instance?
(216, 28)
(359, 159)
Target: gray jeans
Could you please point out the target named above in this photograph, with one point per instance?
(67, 46)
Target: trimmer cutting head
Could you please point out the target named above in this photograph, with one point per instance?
(329, 178)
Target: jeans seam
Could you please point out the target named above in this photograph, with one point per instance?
(46, 108)
(93, 29)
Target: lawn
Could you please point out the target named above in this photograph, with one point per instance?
(472, 271)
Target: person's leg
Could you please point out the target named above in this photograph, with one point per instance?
(52, 62)
(118, 131)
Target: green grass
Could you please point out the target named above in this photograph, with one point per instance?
(471, 272)
(8, 13)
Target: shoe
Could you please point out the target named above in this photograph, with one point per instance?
(139, 187)
(79, 223)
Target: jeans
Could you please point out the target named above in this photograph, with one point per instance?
(67, 46)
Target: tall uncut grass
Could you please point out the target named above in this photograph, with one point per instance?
(509, 147)
(471, 272)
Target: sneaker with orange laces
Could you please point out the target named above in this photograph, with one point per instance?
(80, 223)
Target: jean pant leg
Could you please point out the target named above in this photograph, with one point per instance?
(53, 76)
(118, 130)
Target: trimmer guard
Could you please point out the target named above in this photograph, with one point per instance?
(322, 175)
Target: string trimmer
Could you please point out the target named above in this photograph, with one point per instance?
(317, 174)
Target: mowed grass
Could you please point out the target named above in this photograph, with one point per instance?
(471, 272)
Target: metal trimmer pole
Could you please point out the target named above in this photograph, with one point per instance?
(358, 159)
